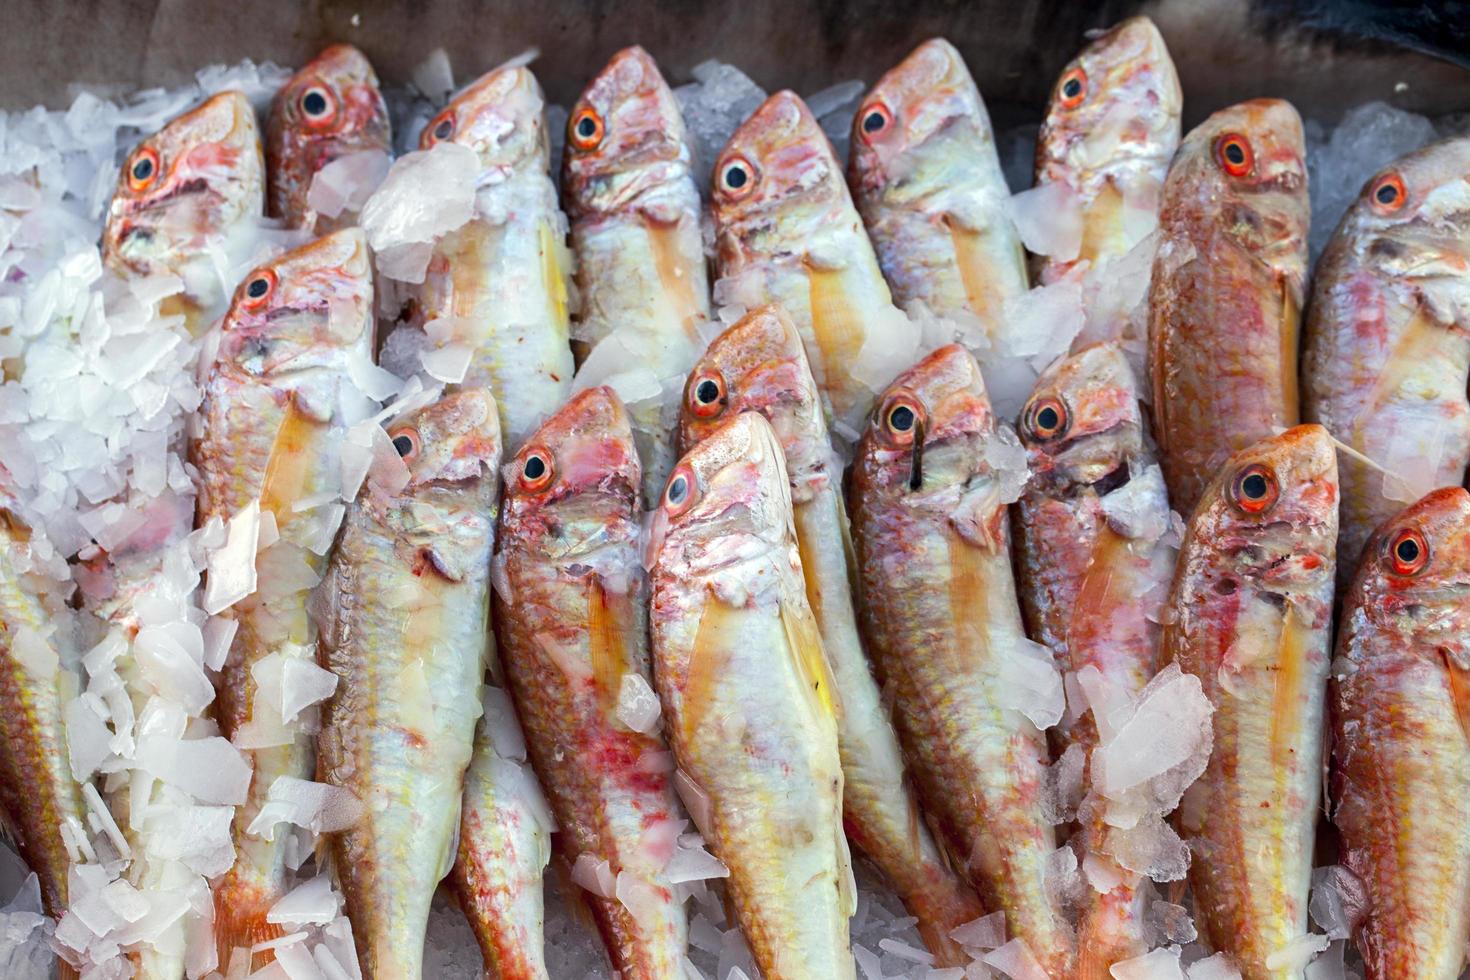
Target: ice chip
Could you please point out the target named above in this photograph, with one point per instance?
(1338, 900)
(1161, 964)
(1015, 960)
(426, 194)
(1029, 682)
(1295, 955)
(303, 684)
(594, 874)
(313, 903)
(1049, 220)
(232, 566)
(1217, 967)
(346, 183)
(638, 706)
(1169, 728)
(209, 769)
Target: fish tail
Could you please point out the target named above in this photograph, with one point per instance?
(240, 920)
(942, 903)
(65, 971)
(1107, 934)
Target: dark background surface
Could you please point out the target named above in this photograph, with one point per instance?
(1324, 56)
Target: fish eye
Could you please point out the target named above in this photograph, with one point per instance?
(1388, 194)
(876, 119)
(1072, 88)
(439, 129)
(1046, 418)
(1254, 489)
(406, 443)
(535, 469)
(318, 105)
(1408, 552)
(143, 168)
(259, 287)
(586, 129)
(679, 494)
(707, 394)
(1233, 151)
(736, 178)
(902, 417)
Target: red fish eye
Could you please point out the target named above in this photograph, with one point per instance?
(736, 178)
(1072, 89)
(706, 394)
(1233, 151)
(875, 120)
(586, 130)
(318, 106)
(406, 443)
(143, 168)
(439, 129)
(1046, 418)
(1388, 194)
(680, 492)
(902, 419)
(257, 289)
(1254, 489)
(536, 469)
(1408, 552)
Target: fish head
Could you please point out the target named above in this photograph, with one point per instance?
(777, 163)
(1414, 214)
(1246, 166)
(625, 137)
(328, 109)
(185, 184)
(1416, 568)
(925, 112)
(574, 485)
(1119, 99)
(926, 435)
(759, 365)
(449, 443)
(1272, 510)
(1082, 425)
(301, 310)
(502, 117)
(727, 500)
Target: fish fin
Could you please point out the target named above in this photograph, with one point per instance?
(288, 469)
(1291, 655)
(1100, 223)
(809, 658)
(677, 284)
(1459, 679)
(554, 271)
(604, 636)
(836, 327)
(240, 920)
(969, 259)
(846, 882)
(719, 627)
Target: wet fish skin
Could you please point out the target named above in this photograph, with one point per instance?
(1401, 761)
(37, 792)
(504, 274)
(748, 699)
(272, 432)
(1251, 617)
(789, 234)
(635, 231)
(1092, 586)
(574, 629)
(204, 178)
(1111, 143)
(403, 622)
(302, 139)
(940, 615)
(1226, 293)
(926, 176)
(1387, 355)
(758, 365)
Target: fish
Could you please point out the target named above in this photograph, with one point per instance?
(181, 194)
(1401, 748)
(748, 701)
(1250, 615)
(757, 365)
(786, 232)
(402, 616)
(504, 843)
(1226, 294)
(927, 179)
(42, 809)
(1094, 564)
(571, 633)
(1111, 128)
(504, 275)
(330, 109)
(943, 625)
(1386, 360)
(635, 231)
(272, 431)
